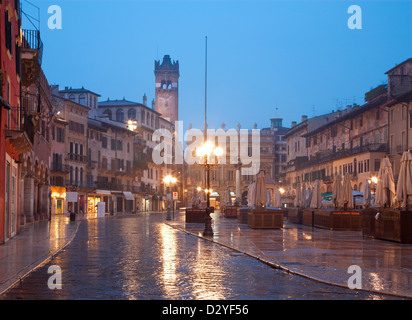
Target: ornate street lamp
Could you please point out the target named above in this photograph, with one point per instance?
(205, 154)
(169, 180)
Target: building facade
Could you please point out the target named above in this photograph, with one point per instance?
(144, 121)
(12, 140)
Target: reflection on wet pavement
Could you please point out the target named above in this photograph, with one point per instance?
(320, 254)
(140, 257)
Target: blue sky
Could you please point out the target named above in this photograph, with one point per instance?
(297, 56)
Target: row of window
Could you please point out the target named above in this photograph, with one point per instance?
(83, 100)
(214, 176)
(147, 118)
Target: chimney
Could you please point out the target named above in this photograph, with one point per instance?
(153, 104)
(294, 123)
(304, 118)
(145, 100)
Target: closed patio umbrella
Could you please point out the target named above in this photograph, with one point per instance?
(277, 203)
(404, 186)
(260, 197)
(316, 201)
(228, 198)
(268, 198)
(308, 197)
(298, 195)
(251, 194)
(385, 188)
(347, 196)
(367, 194)
(303, 199)
(337, 191)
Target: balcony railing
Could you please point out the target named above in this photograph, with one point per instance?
(32, 41)
(59, 167)
(21, 128)
(76, 157)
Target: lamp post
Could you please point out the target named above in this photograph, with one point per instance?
(205, 153)
(168, 180)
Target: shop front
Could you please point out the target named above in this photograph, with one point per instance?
(129, 202)
(58, 199)
(92, 202)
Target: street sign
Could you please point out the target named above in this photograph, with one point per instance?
(175, 196)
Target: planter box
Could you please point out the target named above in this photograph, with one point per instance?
(368, 221)
(242, 215)
(394, 225)
(338, 220)
(264, 218)
(230, 211)
(307, 217)
(295, 215)
(197, 215)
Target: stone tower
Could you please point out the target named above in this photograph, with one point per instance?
(167, 88)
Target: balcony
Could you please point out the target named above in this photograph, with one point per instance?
(80, 184)
(76, 157)
(31, 56)
(103, 185)
(21, 129)
(59, 168)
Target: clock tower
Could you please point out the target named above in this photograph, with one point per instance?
(167, 88)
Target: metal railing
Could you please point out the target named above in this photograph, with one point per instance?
(32, 41)
(59, 167)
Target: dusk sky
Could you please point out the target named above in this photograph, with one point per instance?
(297, 56)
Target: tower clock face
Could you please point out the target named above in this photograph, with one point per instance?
(165, 101)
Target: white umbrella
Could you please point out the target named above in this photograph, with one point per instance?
(316, 201)
(303, 199)
(308, 197)
(298, 195)
(337, 191)
(347, 196)
(251, 195)
(268, 198)
(367, 194)
(228, 198)
(260, 196)
(277, 203)
(404, 186)
(385, 188)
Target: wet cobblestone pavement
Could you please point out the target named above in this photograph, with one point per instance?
(141, 257)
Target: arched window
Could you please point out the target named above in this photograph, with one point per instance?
(108, 113)
(120, 115)
(131, 115)
(82, 99)
(72, 98)
(169, 85)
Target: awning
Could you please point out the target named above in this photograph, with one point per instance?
(104, 192)
(128, 195)
(5, 104)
